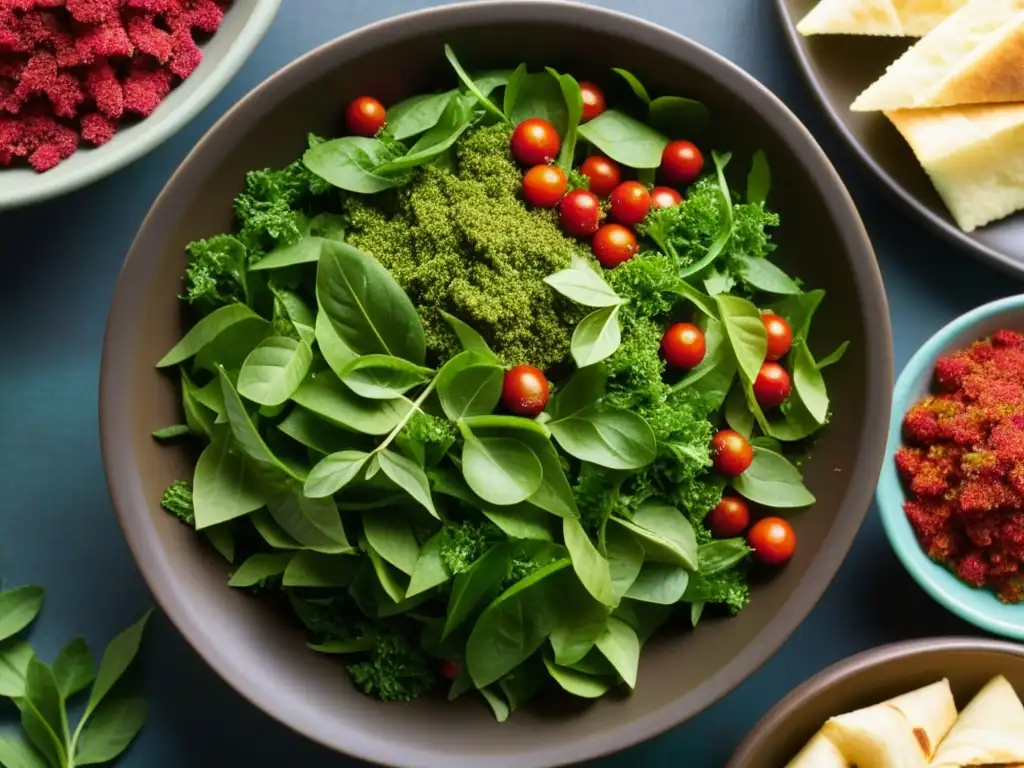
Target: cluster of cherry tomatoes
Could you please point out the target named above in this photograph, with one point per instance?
(536, 144)
(772, 539)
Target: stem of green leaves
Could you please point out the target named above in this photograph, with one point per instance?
(405, 419)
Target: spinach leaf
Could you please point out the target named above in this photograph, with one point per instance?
(536, 95)
(259, 567)
(574, 113)
(248, 438)
(15, 752)
(745, 332)
(198, 417)
(337, 353)
(590, 565)
(584, 286)
(795, 424)
(678, 116)
(306, 250)
(296, 311)
(117, 657)
(489, 81)
(315, 569)
(620, 645)
(471, 340)
(761, 275)
(430, 570)
(469, 385)
(578, 683)
(596, 337)
(715, 373)
(625, 559)
(523, 682)
(390, 534)
(19, 608)
(737, 414)
(554, 493)
(456, 118)
(501, 421)
(606, 436)
(368, 309)
(726, 219)
(172, 432)
(798, 311)
(808, 382)
(581, 620)
(43, 698)
(308, 429)
(704, 303)
(759, 180)
(74, 668)
(834, 356)
(634, 84)
(353, 163)
(333, 473)
(665, 533)
(393, 582)
(517, 521)
(383, 377)
(274, 370)
(659, 583)
(408, 476)
(325, 395)
(417, 114)
(314, 523)
(470, 85)
(479, 584)
(501, 470)
(721, 554)
(224, 485)
(499, 707)
(222, 539)
(206, 331)
(625, 139)
(114, 725)
(773, 481)
(585, 387)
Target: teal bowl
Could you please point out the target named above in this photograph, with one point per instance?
(977, 606)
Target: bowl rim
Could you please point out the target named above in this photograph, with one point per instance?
(120, 343)
(106, 162)
(845, 669)
(943, 227)
(952, 594)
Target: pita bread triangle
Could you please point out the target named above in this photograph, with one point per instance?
(990, 730)
(819, 753)
(880, 18)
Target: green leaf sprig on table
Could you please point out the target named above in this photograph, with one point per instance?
(41, 692)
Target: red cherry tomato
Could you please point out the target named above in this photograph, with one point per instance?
(579, 213)
(730, 518)
(731, 452)
(544, 185)
(524, 391)
(535, 142)
(773, 540)
(665, 197)
(772, 385)
(448, 669)
(613, 244)
(630, 203)
(593, 101)
(365, 116)
(780, 335)
(681, 163)
(683, 345)
(602, 173)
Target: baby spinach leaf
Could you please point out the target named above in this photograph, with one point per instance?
(536, 95)
(721, 554)
(834, 356)
(584, 286)
(15, 752)
(726, 219)
(47, 722)
(501, 421)
(222, 539)
(114, 725)
(224, 485)
(590, 565)
(274, 370)
(696, 611)
(479, 584)
(74, 668)
(716, 282)
(206, 331)
(554, 493)
(761, 275)
(409, 476)
(198, 417)
(514, 626)
(581, 620)
(334, 472)
(773, 481)
(394, 583)
(808, 382)
(172, 432)
(358, 645)
(248, 438)
(14, 659)
(659, 583)
(368, 309)
(574, 113)
(625, 139)
(704, 303)
(335, 351)
(759, 180)
(585, 387)
(469, 385)
(471, 340)
(767, 442)
(524, 682)
(715, 373)
(634, 83)
(352, 163)
(430, 570)
(798, 311)
(737, 414)
(19, 608)
(678, 116)
(644, 618)
(746, 334)
(383, 377)
(796, 422)
(314, 569)
(305, 250)
(619, 644)
(594, 663)
(416, 114)
(578, 683)
(515, 83)
(325, 395)
(608, 437)
(117, 656)
(625, 559)
(501, 470)
(665, 533)
(259, 567)
(390, 535)
(499, 707)
(308, 429)
(596, 337)
(314, 523)
(470, 85)
(517, 521)
(456, 118)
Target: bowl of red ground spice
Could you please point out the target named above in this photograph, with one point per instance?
(88, 86)
(951, 493)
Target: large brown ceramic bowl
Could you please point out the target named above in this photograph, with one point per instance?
(869, 678)
(265, 657)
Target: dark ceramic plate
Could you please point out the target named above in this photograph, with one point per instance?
(839, 67)
(682, 672)
(870, 678)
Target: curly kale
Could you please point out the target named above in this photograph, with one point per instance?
(216, 273)
(396, 670)
(464, 542)
(728, 587)
(177, 500)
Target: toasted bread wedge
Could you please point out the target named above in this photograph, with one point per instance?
(880, 18)
(990, 730)
(819, 753)
(975, 56)
(974, 156)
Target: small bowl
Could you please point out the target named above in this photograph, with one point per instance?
(872, 677)
(243, 27)
(978, 606)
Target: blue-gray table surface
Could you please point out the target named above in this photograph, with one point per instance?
(60, 261)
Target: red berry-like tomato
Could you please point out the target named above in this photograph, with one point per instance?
(683, 345)
(544, 185)
(665, 197)
(525, 391)
(603, 174)
(630, 203)
(613, 244)
(730, 518)
(593, 101)
(780, 335)
(365, 116)
(772, 385)
(773, 540)
(731, 452)
(579, 213)
(449, 669)
(681, 162)
(535, 142)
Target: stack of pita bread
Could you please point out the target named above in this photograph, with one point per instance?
(956, 95)
(921, 729)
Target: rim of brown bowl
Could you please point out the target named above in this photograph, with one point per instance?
(749, 749)
(121, 341)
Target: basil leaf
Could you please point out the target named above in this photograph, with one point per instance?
(625, 139)
(678, 116)
(737, 415)
(334, 472)
(574, 113)
(590, 565)
(596, 337)
(314, 523)
(471, 340)
(259, 567)
(745, 332)
(206, 331)
(721, 554)
(625, 559)
(114, 725)
(501, 470)
(634, 84)
(456, 118)
(469, 385)
(470, 85)
(834, 356)
(368, 309)
(620, 645)
(584, 286)
(578, 683)
(606, 436)
(659, 583)
(391, 536)
(274, 370)
(408, 476)
(761, 275)
(73, 668)
(43, 694)
(808, 382)
(198, 417)
(335, 351)
(389, 578)
(314, 569)
(759, 180)
(224, 486)
(352, 163)
(325, 395)
(516, 81)
(585, 387)
(117, 656)
(14, 659)
(305, 250)
(773, 481)
(383, 377)
(41, 734)
(479, 584)
(15, 752)
(537, 95)
(417, 114)
(19, 608)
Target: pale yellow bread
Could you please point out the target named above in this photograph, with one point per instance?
(880, 18)
(990, 730)
(973, 155)
(975, 56)
(819, 753)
